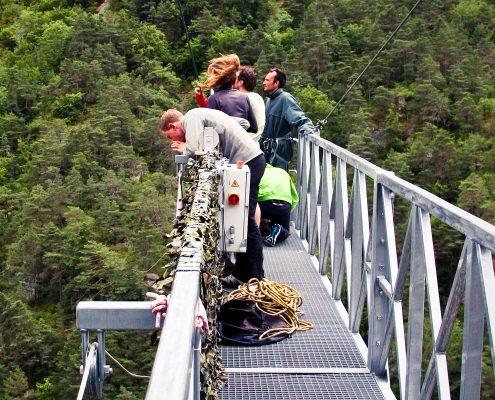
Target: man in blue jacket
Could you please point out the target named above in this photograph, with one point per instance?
(282, 114)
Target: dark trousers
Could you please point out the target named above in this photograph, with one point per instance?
(250, 264)
(277, 212)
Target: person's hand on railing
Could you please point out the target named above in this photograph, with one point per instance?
(201, 318)
(158, 306)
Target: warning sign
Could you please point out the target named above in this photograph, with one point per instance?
(235, 184)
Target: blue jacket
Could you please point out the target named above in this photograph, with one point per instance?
(282, 114)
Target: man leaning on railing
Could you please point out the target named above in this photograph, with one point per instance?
(282, 114)
(184, 131)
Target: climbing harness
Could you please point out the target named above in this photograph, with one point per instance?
(323, 122)
(273, 148)
(275, 299)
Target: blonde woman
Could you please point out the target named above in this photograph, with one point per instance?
(221, 77)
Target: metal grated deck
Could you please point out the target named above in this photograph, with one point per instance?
(327, 346)
(299, 387)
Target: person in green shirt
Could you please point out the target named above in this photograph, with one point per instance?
(277, 197)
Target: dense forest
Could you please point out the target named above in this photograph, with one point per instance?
(87, 184)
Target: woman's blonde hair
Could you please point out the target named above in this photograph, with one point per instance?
(221, 71)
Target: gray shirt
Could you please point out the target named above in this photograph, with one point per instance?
(235, 143)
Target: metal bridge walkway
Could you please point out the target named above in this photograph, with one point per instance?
(379, 281)
(322, 363)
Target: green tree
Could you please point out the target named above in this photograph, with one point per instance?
(475, 17)
(317, 41)
(477, 196)
(51, 45)
(433, 160)
(104, 275)
(428, 104)
(486, 112)
(315, 103)
(15, 385)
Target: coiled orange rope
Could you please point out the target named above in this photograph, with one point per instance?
(277, 299)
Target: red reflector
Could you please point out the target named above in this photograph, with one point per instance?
(234, 199)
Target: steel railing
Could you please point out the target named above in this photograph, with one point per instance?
(176, 369)
(366, 272)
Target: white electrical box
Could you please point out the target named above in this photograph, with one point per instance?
(234, 207)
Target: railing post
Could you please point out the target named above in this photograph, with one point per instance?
(382, 251)
(339, 211)
(314, 187)
(358, 231)
(303, 178)
(326, 235)
(488, 284)
(197, 365)
(299, 180)
(474, 321)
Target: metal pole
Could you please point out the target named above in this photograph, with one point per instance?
(197, 364)
(172, 368)
(101, 363)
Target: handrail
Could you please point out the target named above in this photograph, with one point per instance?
(174, 376)
(333, 217)
(476, 228)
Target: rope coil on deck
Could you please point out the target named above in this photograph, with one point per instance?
(276, 299)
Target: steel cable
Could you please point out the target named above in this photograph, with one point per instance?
(188, 40)
(88, 365)
(324, 121)
(124, 369)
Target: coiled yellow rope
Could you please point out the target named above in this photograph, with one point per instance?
(277, 299)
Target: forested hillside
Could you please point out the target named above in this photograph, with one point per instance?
(87, 185)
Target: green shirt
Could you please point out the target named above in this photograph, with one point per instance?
(276, 184)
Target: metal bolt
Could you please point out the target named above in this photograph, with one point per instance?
(382, 241)
(378, 343)
(107, 370)
(380, 292)
(381, 266)
(379, 317)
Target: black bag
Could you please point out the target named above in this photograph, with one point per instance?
(241, 323)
